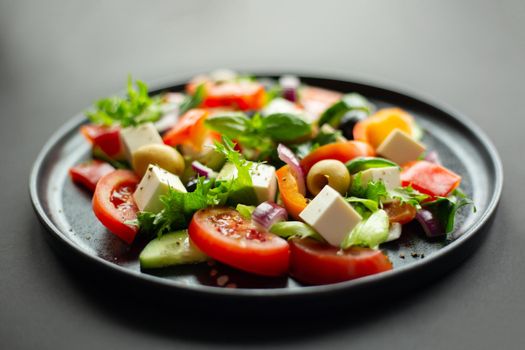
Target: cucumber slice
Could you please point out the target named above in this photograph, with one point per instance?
(364, 163)
(169, 250)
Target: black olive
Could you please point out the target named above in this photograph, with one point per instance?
(349, 120)
(192, 184)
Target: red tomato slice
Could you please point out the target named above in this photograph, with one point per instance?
(108, 139)
(189, 129)
(294, 201)
(343, 151)
(226, 236)
(313, 262)
(89, 173)
(401, 213)
(113, 203)
(429, 178)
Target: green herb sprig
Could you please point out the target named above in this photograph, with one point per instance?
(137, 108)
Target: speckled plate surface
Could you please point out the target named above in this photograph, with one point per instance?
(65, 210)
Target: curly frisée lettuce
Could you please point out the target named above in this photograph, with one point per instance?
(372, 195)
(179, 207)
(136, 109)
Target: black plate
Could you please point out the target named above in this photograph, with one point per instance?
(65, 210)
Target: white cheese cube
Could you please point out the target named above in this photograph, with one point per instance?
(134, 137)
(390, 176)
(155, 183)
(263, 179)
(281, 105)
(399, 147)
(330, 215)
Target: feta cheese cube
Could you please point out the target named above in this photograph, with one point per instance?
(155, 183)
(134, 137)
(263, 177)
(400, 147)
(281, 105)
(330, 215)
(390, 176)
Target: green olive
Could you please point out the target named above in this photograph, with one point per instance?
(328, 172)
(164, 156)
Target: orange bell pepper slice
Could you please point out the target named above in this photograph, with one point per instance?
(190, 129)
(378, 126)
(294, 201)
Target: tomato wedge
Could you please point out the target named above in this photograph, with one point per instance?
(292, 199)
(107, 139)
(343, 151)
(429, 178)
(226, 236)
(113, 203)
(313, 262)
(189, 129)
(378, 126)
(401, 213)
(89, 173)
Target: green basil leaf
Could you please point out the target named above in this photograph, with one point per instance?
(193, 101)
(231, 125)
(445, 208)
(347, 103)
(285, 127)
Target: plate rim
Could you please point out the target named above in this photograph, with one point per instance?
(158, 85)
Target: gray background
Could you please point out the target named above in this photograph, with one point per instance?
(57, 57)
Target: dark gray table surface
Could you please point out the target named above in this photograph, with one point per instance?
(57, 57)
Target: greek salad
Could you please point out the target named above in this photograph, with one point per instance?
(269, 176)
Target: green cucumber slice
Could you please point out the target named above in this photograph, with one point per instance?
(364, 163)
(170, 249)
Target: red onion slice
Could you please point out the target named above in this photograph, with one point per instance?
(203, 170)
(268, 213)
(429, 223)
(287, 156)
(290, 84)
(433, 157)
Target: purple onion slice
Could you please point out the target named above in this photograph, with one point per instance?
(268, 213)
(429, 223)
(203, 170)
(287, 156)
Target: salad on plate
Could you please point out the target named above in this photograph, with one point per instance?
(269, 176)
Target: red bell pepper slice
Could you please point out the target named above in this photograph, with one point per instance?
(429, 178)
(89, 173)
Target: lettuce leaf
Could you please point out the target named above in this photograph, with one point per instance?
(370, 232)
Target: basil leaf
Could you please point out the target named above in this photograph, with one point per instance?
(193, 101)
(347, 103)
(231, 125)
(285, 127)
(370, 232)
(445, 208)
